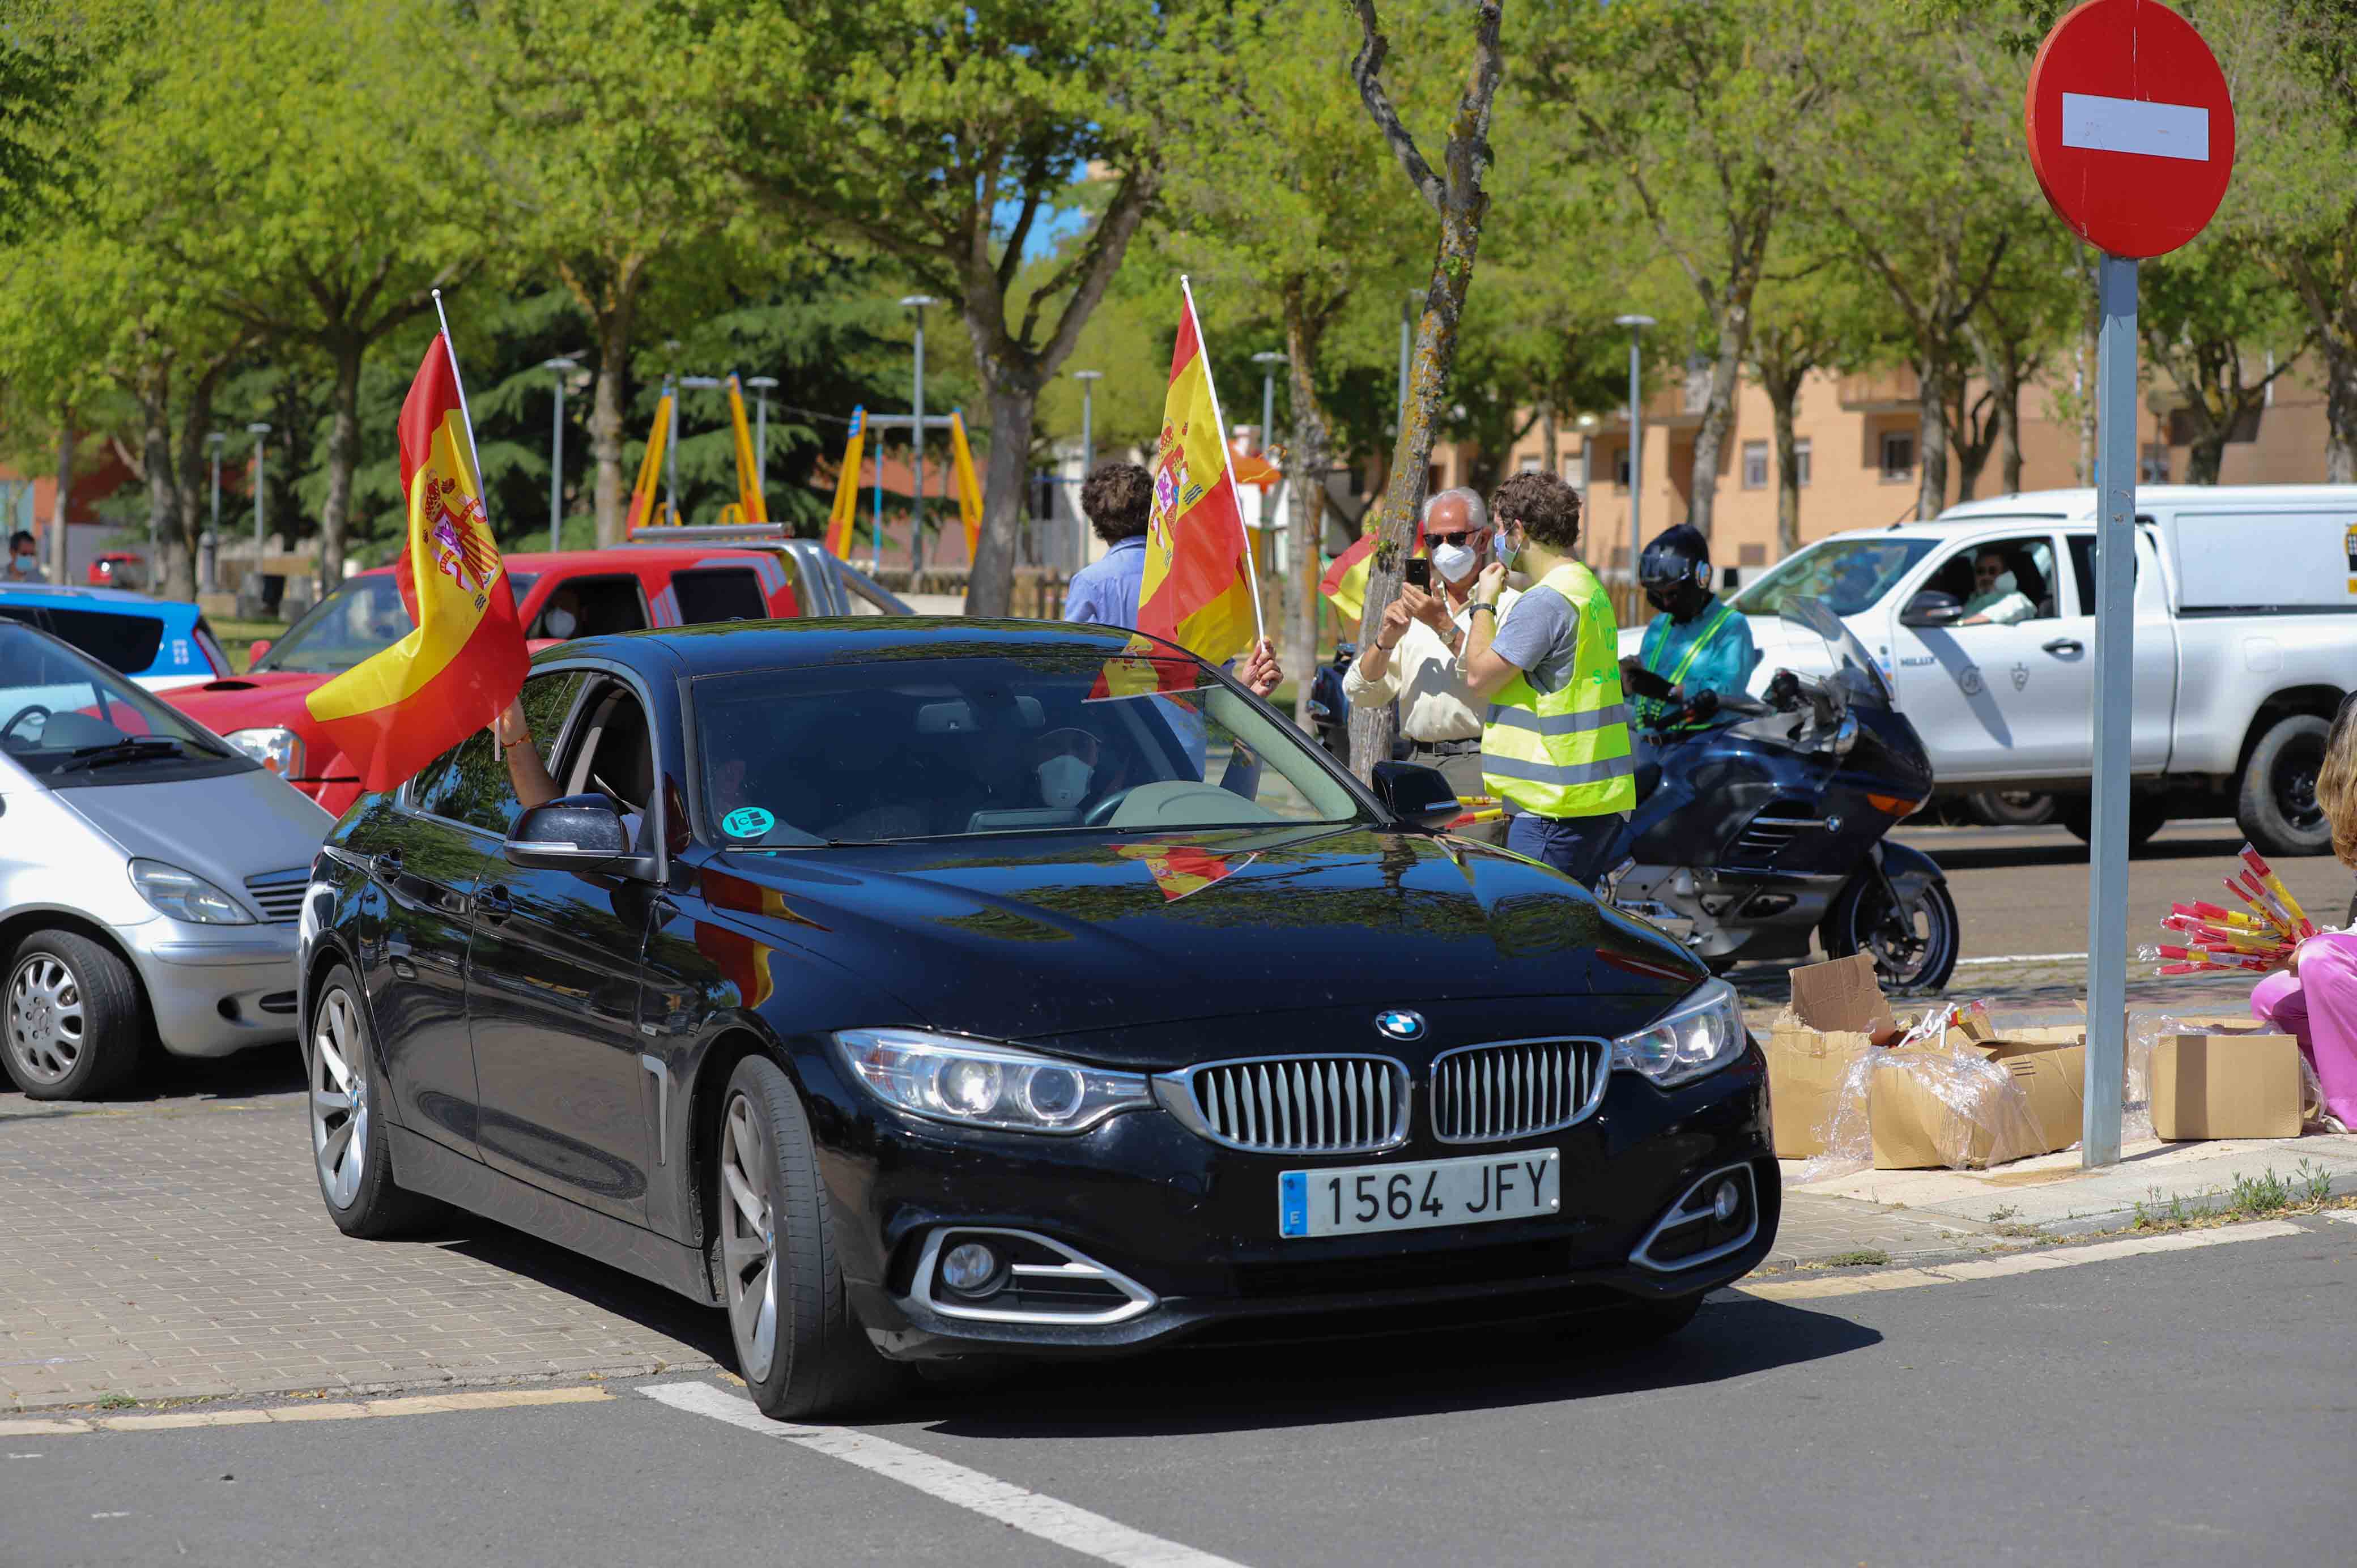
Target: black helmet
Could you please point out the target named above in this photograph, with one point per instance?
(1674, 570)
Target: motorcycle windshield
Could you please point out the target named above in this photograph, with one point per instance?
(1853, 669)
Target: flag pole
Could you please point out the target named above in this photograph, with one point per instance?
(474, 460)
(1227, 458)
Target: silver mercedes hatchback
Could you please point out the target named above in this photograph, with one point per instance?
(151, 877)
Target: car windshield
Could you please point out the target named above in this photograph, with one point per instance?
(1849, 574)
(364, 615)
(64, 714)
(1057, 740)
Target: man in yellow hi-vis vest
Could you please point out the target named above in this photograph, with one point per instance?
(1556, 745)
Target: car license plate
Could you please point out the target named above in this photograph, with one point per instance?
(1413, 1195)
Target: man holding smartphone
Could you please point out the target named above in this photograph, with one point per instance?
(1410, 655)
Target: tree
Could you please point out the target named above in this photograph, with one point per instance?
(2207, 314)
(1459, 196)
(308, 177)
(1689, 112)
(946, 140)
(608, 195)
(1814, 312)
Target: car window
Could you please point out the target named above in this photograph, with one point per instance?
(1849, 574)
(66, 717)
(717, 593)
(596, 604)
(124, 642)
(2004, 581)
(956, 745)
(468, 783)
(363, 616)
(2082, 567)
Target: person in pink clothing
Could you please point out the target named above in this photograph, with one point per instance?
(2315, 1001)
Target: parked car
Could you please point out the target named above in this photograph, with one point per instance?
(153, 878)
(118, 569)
(575, 593)
(980, 988)
(162, 644)
(2245, 644)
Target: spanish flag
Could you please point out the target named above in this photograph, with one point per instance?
(1197, 591)
(1345, 583)
(464, 662)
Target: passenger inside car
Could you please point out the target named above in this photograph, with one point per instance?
(613, 758)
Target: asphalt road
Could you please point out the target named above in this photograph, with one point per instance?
(2172, 1407)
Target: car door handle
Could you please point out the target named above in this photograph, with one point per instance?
(493, 904)
(2066, 645)
(385, 865)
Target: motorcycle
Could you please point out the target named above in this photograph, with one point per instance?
(1767, 829)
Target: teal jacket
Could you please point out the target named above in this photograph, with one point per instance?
(1722, 663)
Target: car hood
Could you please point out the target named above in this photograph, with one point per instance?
(1027, 938)
(225, 829)
(271, 698)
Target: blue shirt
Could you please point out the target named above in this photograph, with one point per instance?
(1105, 590)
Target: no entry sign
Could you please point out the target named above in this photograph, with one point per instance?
(2131, 131)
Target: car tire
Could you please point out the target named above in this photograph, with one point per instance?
(2276, 804)
(74, 1027)
(351, 1144)
(2147, 816)
(2010, 808)
(801, 1351)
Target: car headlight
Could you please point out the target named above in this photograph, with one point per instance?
(279, 750)
(185, 896)
(1701, 1034)
(974, 1084)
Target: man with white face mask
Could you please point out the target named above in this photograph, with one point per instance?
(1410, 656)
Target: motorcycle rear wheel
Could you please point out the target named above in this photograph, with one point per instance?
(1915, 946)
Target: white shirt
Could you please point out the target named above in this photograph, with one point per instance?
(1424, 679)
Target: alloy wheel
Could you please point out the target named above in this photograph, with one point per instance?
(339, 1106)
(2295, 784)
(47, 1024)
(748, 1237)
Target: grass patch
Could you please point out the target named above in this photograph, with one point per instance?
(2307, 1189)
(116, 1401)
(1864, 1257)
(238, 637)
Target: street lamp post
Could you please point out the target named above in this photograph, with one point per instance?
(1407, 344)
(259, 431)
(207, 559)
(763, 386)
(1088, 380)
(1268, 360)
(1636, 326)
(563, 368)
(915, 302)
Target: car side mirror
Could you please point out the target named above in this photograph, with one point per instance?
(1421, 795)
(576, 833)
(1932, 607)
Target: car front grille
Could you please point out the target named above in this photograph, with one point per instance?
(280, 893)
(1481, 1094)
(1304, 1105)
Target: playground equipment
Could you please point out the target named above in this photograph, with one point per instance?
(751, 505)
(844, 512)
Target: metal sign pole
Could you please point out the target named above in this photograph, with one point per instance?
(2116, 552)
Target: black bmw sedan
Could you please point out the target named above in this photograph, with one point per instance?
(921, 990)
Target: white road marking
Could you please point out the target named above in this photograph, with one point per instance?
(2021, 957)
(110, 1516)
(2023, 1264)
(2346, 1216)
(2131, 125)
(1091, 1534)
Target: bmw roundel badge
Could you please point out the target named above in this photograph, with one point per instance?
(1399, 1024)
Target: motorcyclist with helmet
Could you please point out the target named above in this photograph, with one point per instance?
(1697, 647)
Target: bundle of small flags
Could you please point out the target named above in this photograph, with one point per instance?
(2258, 938)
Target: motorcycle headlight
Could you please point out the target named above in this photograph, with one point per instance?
(279, 750)
(972, 1083)
(185, 896)
(1701, 1035)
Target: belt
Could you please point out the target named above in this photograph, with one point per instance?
(1445, 747)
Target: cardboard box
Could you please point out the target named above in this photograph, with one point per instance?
(1933, 1107)
(1837, 1010)
(2225, 1085)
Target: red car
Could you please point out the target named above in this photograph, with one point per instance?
(567, 594)
(119, 569)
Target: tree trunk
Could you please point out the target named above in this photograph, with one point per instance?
(1305, 482)
(2206, 455)
(1550, 441)
(61, 559)
(1783, 393)
(1013, 405)
(155, 394)
(2008, 410)
(1931, 438)
(606, 421)
(1718, 412)
(343, 457)
(2339, 414)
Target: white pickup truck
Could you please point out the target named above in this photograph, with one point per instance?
(2245, 642)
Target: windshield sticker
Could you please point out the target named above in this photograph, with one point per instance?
(748, 822)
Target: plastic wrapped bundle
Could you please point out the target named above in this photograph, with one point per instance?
(1941, 1100)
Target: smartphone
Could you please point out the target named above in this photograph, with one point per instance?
(1418, 571)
